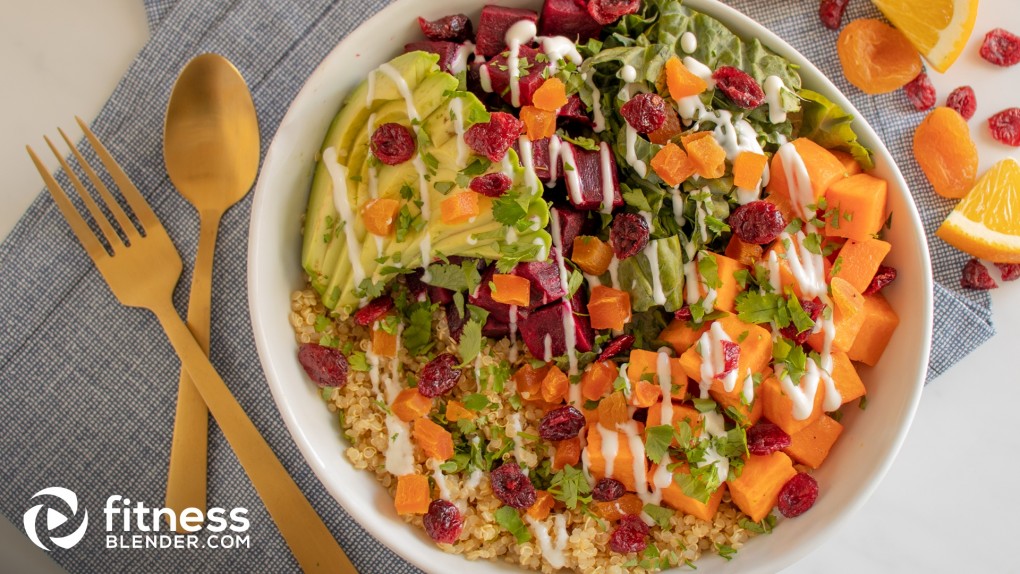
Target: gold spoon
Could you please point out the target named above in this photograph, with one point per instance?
(211, 149)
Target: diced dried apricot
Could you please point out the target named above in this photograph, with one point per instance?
(550, 96)
(539, 124)
(608, 308)
(568, 453)
(672, 165)
(456, 411)
(946, 152)
(876, 57)
(379, 216)
(529, 381)
(383, 344)
(554, 385)
(743, 252)
(413, 495)
(433, 439)
(410, 405)
(644, 394)
(681, 81)
(598, 379)
(708, 156)
(669, 129)
(543, 504)
(460, 207)
(614, 510)
(613, 410)
(748, 168)
(591, 254)
(511, 289)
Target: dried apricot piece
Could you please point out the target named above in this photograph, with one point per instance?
(681, 81)
(550, 96)
(539, 123)
(876, 57)
(946, 152)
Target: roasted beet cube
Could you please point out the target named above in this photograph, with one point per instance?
(539, 157)
(571, 223)
(575, 110)
(499, 75)
(440, 295)
(493, 24)
(568, 18)
(449, 53)
(482, 297)
(544, 276)
(495, 329)
(452, 28)
(586, 190)
(551, 321)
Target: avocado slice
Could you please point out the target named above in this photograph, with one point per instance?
(337, 247)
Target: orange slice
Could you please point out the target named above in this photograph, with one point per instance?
(939, 29)
(986, 223)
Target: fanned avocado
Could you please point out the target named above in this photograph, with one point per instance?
(341, 258)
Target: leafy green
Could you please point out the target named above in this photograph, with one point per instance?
(830, 126)
(657, 441)
(510, 519)
(636, 276)
(660, 514)
(570, 487)
(463, 277)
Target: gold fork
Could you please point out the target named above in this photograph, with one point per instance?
(142, 272)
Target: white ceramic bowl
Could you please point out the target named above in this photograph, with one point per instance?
(853, 470)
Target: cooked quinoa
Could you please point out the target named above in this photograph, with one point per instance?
(363, 422)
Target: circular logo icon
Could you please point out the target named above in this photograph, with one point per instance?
(57, 519)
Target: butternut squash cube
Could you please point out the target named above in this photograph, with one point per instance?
(674, 497)
(726, 292)
(823, 170)
(591, 254)
(681, 335)
(847, 317)
(609, 308)
(568, 453)
(859, 203)
(433, 439)
(678, 415)
(845, 378)
(413, 495)
(623, 462)
(811, 445)
(859, 260)
(778, 407)
(410, 405)
(880, 322)
(756, 491)
(743, 253)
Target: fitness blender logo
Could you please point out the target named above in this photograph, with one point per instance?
(135, 525)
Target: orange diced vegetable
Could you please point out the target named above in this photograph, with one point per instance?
(845, 378)
(847, 159)
(543, 504)
(455, 411)
(598, 379)
(460, 207)
(880, 321)
(410, 405)
(554, 385)
(681, 335)
(686, 139)
(383, 344)
(592, 254)
(433, 439)
(379, 215)
(756, 490)
(413, 495)
(614, 510)
(623, 464)
(551, 95)
(859, 260)
(674, 497)
(529, 382)
(613, 410)
(644, 394)
(678, 414)
(822, 167)
(672, 165)
(748, 169)
(680, 81)
(669, 129)
(511, 289)
(539, 124)
(811, 445)
(742, 252)
(568, 453)
(608, 308)
(847, 317)
(857, 204)
(708, 156)
(726, 292)
(778, 407)
(786, 277)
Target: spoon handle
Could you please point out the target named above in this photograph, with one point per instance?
(187, 476)
(301, 527)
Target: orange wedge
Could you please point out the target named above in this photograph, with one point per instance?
(939, 29)
(986, 223)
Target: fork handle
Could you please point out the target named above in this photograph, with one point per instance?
(307, 536)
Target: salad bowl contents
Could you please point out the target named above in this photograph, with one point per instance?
(601, 285)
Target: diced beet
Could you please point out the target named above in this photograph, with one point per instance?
(448, 52)
(455, 321)
(575, 110)
(452, 28)
(495, 329)
(545, 280)
(414, 283)
(493, 24)
(440, 295)
(499, 75)
(549, 321)
(539, 158)
(567, 18)
(482, 297)
(589, 176)
(571, 222)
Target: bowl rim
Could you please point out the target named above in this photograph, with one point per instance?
(732, 18)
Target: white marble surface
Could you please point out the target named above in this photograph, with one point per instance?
(948, 504)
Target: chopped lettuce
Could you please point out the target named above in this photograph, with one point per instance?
(831, 127)
(637, 279)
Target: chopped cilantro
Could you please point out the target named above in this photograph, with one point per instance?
(659, 514)
(358, 362)
(570, 487)
(510, 520)
(657, 441)
(476, 402)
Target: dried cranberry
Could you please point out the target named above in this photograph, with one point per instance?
(976, 276)
(607, 490)
(608, 11)
(375, 310)
(731, 357)
(628, 235)
(617, 346)
(439, 376)
(831, 13)
(758, 222)
(511, 486)
(739, 87)
(491, 184)
(325, 365)
(645, 112)
(453, 28)
(813, 307)
(798, 495)
(884, 276)
(630, 535)
(1009, 271)
(1005, 126)
(561, 423)
(921, 92)
(683, 313)
(393, 143)
(963, 100)
(415, 285)
(494, 137)
(1001, 48)
(455, 321)
(443, 521)
(766, 438)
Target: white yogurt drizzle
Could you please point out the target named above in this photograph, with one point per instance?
(700, 70)
(610, 447)
(528, 159)
(688, 42)
(440, 478)
(570, 171)
(628, 74)
(797, 180)
(520, 33)
(559, 48)
(513, 334)
(515, 425)
(773, 97)
(460, 63)
(598, 119)
(569, 323)
(342, 203)
(651, 252)
(555, 143)
(606, 166)
(373, 174)
(713, 361)
(456, 109)
(551, 551)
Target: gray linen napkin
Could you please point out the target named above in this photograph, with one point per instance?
(88, 387)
